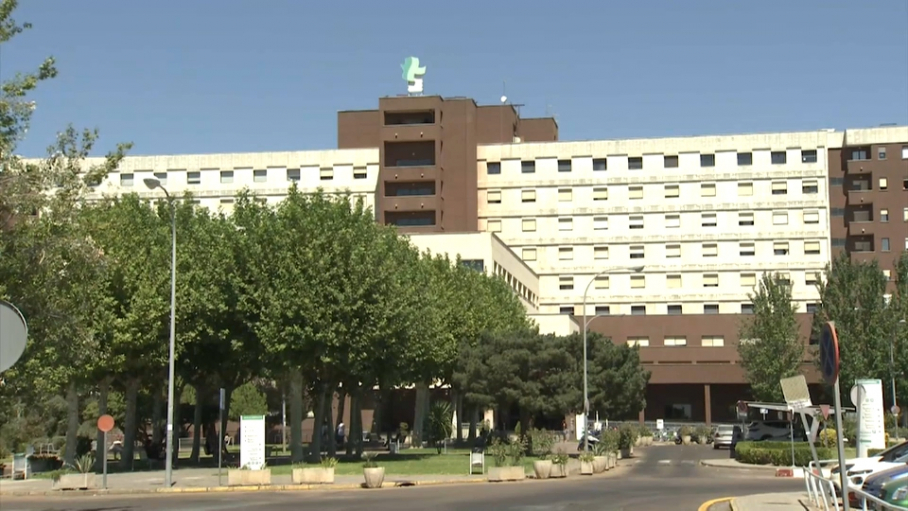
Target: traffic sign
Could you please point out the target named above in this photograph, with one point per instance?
(829, 353)
(895, 410)
(13, 334)
(824, 409)
(105, 423)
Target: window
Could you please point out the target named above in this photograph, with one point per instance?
(780, 218)
(707, 160)
(195, 178)
(565, 224)
(638, 341)
(528, 196)
(904, 184)
(493, 197)
(528, 254)
(673, 281)
(884, 183)
(779, 188)
(836, 181)
(360, 172)
(748, 279)
(905, 215)
(884, 244)
(887, 274)
(780, 248)
(638, 282)
(326, 174)
(747, 308)
(884, 215)
(809, 156)
(638, 310)
(528, 225)
(708, 220)
(492, 167)
(566, 283)
(528, 167)
(602, 282)
(566, 309)
(600, 223)
(672, 191)
(600, 252)
(564, 165)
(812, 248)
(637, 251)
(905, 152)
(493, 226)
(293, 175)
(602, 310)
(784, 278)
(838, 243)
(600, 164)
(675, 310)
(600, 194)
(881, 153)
(712, 341)
(127, 179)
(635, 192)
(778, 157)
(710, 250)
(161, 177)
(859, 154)
(226, 201)
(837, 212)
(670, 162)
(811, 278)
(565, 195)
(863, 246)
(745, 159)
(675, 341)
(261, 176)
(810, 187)
(747, 249)
(710, 308)
(711, 280)
(672, 251)
(745, 189)
(811, 217)
(636, 222)
(635, 163)
(672, 221)
(745, 219)
(708, 190)
(565, 253)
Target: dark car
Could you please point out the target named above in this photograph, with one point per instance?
(877, 484)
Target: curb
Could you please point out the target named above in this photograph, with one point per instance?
(732, 505)
(709, 503)
(737, 466)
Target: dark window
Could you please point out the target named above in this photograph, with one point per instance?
(707, 160)
(564, 165)
(359, 173)
(423, 188)
(566, 309)
(836, 181)
(638, 310)
(860, 215)
(745, 159)
(859, 154)
(837, 211)
(839, 242)
(473, 264)
(528, 167)
(881, 153)
(812, 308)
(814, 339)
(406, 219)
(778, 157)
(602, 310)
(809, 156)
(860, 185)
(671, 162)
(810, 188)
(674, 310)
(600, 164)
(493, 167)
(404, 118)
(863, 246)
(884, 244)
(635, 163)
(747, 308)
(904, 184)
(711, 308)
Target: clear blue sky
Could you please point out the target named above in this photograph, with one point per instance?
(206, 76)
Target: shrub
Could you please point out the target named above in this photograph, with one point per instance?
(779, 453)
(506, 454)
(541, 443)
(827, 438)
(627, 436)
(645, 431)
(610, 440)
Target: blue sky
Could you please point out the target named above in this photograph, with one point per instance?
(207, 76)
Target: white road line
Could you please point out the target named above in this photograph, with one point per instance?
(665, 462)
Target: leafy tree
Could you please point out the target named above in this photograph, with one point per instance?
(899, 337)
(771, 347)
(248, 400)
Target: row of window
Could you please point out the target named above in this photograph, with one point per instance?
(601, 223)
(866, 214)
(865, 184)
(745, 249)
(864, 244)
(228, 176)
(744, 159)
(706, 341)
(640, 310)
(863, 153)
(677, 281)
(671, 191)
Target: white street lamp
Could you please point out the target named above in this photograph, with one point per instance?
(586, 386)
(152, 184)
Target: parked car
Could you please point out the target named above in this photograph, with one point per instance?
(723, 436)
(884, 482)
(897, 494)
(857, 469)
(768, 430)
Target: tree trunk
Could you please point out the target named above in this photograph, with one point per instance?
(356, 420)
(177, 421)
(315, 451)
(228, 392)
(341, 405)
(130, 428)
(103, 391)
(197, 424)
(73, 421)
(351, 428)
(474, 418)
(330, 420)
(157, 415)
(296, 417)
(419, 416)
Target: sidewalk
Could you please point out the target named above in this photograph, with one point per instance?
(797, 501)
(728, 463)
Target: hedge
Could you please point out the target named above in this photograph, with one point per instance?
(779, 453)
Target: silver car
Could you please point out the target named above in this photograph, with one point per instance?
(723, 436)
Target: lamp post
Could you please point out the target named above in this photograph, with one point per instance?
(895, 401)
(586, 386)
(168, 471)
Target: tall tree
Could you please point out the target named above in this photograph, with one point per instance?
(771, 347)
(899, 337)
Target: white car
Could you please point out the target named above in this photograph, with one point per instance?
(858, 469)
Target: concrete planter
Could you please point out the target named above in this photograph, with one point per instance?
(702, 441)
(76, 482)
(314, 475)
(685, 439)
(237, 477)
(498, 474)
(638, 442)
(559, 470)
(374, 477)
(600, 464)
(542, 468)
(627, 452)
(586, 468)
(647, 440)
(612, 461)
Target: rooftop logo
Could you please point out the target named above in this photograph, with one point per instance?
(413, 74)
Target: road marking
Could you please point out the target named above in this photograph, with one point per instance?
(705, 506)
(665, 462)
(688, 462)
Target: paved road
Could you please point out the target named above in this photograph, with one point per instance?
(665, 477)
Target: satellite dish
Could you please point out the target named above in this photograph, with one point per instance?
(13, 333)
(504, 99)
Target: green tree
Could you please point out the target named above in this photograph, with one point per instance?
(771, 347)
(248, 400)
(899, 337)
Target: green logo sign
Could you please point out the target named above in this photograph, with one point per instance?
(413, 74)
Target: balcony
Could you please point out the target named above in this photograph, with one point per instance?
(409, 189)
(410, 118)
(411, 221)
(862, 228)
(410, 204)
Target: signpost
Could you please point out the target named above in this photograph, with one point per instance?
(660, 424)
(252, 442)
(829, 363)
(13, 334)
(867, 396)
(105, 425)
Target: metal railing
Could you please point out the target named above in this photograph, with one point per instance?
(821, 491)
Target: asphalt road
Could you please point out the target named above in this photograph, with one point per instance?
(665, 477)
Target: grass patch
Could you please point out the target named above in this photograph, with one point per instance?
(411, 462)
